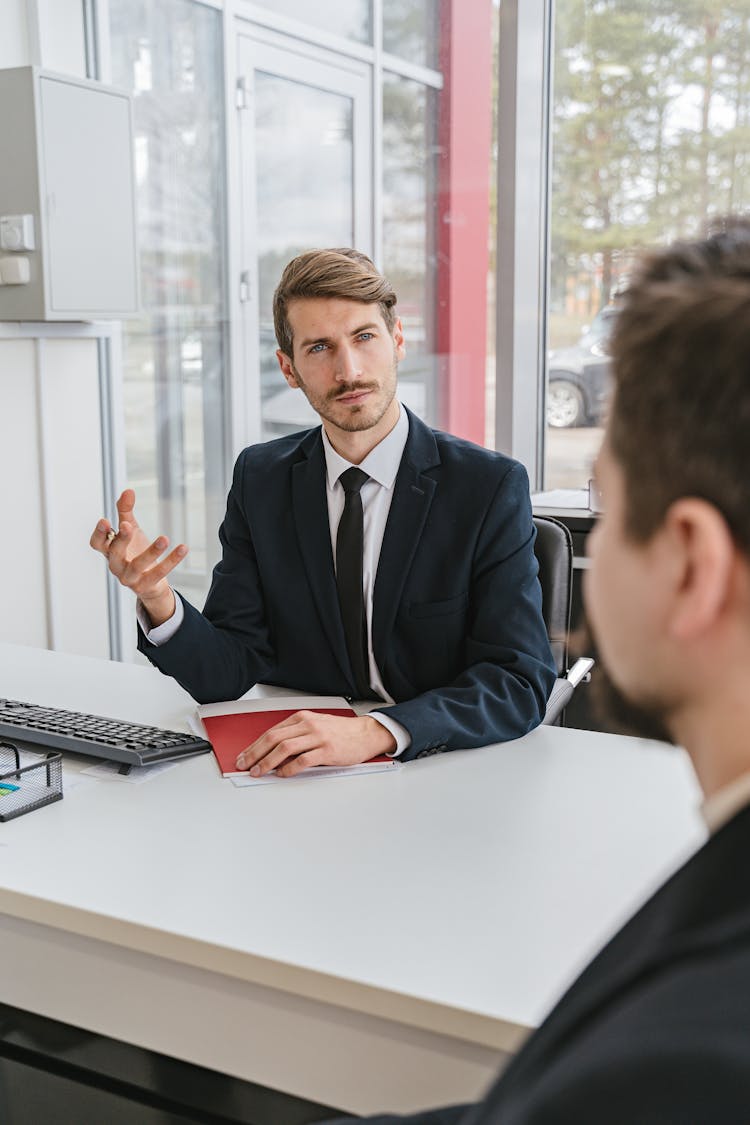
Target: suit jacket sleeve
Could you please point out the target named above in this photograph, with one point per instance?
(507, 666)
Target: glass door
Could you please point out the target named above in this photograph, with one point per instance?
(306, 182)
(169, 55)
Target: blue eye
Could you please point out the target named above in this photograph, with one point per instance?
(367, 335)
(316, 348)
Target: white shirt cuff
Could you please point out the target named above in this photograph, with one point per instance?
(401, 734)
(160, 634)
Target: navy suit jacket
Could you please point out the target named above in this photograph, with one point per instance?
(457, 627)
(656, 1031)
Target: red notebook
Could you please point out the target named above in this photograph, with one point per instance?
(232, 727)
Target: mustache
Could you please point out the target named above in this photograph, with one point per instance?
(350, 389)
(613, 711)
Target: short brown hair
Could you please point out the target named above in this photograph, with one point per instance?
(680, 417)
(344, 273)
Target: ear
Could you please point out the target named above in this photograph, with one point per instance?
(701, 543)
(287, 368)
(398, 338)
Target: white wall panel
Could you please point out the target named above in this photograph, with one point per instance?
(23, 605)
(43, 33)
(14, 40)
(61, 36)
(74, 496)
(52, 586)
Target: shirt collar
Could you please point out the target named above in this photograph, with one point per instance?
(718, 809)
(381, 463)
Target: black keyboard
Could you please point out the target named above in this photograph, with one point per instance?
(131, 743)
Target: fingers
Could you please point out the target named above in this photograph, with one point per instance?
(306, 761)
(287, 752)
(309, 738)
(100, 536)
(282, 741)
(104, 533)
(139, 570)
(126, 506)
(122, 550)
(143, 572)
(134, 561)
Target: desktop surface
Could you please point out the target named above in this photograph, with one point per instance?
(419, 923)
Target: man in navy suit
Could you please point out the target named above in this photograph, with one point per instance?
(656, 1031)
(453, 645)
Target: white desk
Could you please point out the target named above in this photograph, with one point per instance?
(370, 942)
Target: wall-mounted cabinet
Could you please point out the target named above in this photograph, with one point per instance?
(67, 195)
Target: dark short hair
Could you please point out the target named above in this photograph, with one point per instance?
(344, 273)
(679, 420)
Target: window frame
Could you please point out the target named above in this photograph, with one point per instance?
(523, 161)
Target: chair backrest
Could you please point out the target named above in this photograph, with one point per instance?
(554, 553)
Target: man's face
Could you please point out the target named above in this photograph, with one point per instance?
(345, 360)
(623, 590)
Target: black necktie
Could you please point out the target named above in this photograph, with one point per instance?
(349, 549)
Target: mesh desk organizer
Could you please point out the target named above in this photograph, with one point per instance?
(28, 787)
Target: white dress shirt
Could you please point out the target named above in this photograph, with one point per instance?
(381, 465)
(718, 809)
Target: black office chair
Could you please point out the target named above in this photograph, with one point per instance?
(554, 553)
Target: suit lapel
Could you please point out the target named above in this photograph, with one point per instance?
(314, 537)
(412, 497)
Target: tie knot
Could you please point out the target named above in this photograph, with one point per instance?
(353, 479)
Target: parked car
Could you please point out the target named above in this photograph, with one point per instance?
(578, 379)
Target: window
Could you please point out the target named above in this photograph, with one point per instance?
(409, 253)
(410, 30)
(650, 118)
(376, 134)
(169, 54)
(383, 150)
(350, 18)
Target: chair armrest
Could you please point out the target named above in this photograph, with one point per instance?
(562, 691)
(560, 696)
(580, 670)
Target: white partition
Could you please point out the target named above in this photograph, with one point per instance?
(61, 36)
(53, 589)
(14, 40)
(52, 586)
(23, 599)
(73, 457)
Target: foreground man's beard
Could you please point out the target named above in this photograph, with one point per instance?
(608, 703)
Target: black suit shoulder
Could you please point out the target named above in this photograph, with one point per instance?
(458, 453)
(666, 1042)
(460, 449)
(269, 456)
(474, 478)
(656, 1028)
(672, 1050)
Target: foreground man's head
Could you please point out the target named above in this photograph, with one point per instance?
(668, 592)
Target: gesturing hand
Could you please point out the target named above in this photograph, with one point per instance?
(136, 561)
(308, 738)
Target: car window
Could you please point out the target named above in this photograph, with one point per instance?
(600, 328)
